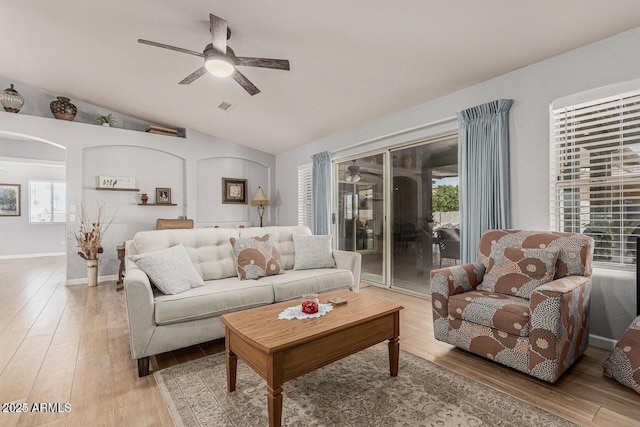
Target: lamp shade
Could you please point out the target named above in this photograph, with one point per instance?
(259, 199)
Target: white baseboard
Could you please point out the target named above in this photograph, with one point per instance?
(602, 342)
(32, 255)
(84, 281)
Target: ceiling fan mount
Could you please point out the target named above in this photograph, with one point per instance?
(220, 60)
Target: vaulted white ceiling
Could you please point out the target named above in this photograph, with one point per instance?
(351, 60)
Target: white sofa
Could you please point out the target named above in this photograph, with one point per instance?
(160, 323)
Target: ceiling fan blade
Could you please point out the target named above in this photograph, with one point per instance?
(166, 46)
(193, 76)
(245, 83)
(218, 28)
(278, 64)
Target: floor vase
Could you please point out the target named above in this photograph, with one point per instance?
(92, 272)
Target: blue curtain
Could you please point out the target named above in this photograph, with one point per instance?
(321, 193)
(483, 159)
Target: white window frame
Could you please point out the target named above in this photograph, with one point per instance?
(61, 214)
(595, 170)
(305, 179)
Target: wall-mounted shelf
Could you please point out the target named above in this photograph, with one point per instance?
(117, 189)
(157, 204)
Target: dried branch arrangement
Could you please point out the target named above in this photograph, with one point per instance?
(89, 237)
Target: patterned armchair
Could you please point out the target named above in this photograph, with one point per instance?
(524, 303)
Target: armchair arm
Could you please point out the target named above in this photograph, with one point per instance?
(349, 261)
(559, 325)
(451, 281)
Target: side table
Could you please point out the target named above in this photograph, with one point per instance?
(120, 282)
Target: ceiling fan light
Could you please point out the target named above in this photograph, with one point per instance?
(219, 67)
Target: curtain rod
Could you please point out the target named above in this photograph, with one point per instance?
(392, 134)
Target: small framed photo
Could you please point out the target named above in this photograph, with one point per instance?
(234, 191)
(163, 196)
(9, 199)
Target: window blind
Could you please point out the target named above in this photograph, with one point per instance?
(304, 195)
(595, 174)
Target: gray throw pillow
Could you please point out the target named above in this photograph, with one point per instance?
(170, 270)
(312, 252)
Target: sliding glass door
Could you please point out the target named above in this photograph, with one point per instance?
(425, 214)
(360, 213)
(401, 214)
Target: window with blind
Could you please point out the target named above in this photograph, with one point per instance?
(304, 195)
(595, 173)
(47, 201)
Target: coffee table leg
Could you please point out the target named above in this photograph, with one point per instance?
(232, 365)
(275, 379)
(274, 406)
(394, 356)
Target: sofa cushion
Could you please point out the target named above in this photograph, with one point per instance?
(502, 312)
(283, 238)
(256, 257)
(623, 364)
(170, 269)
(215, 298)
(518, 272)
(295, 283)
(209, 248)
(312, 252)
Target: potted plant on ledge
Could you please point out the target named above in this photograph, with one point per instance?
(89, 241)
(107, 120)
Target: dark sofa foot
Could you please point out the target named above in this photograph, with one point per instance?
(143, 366)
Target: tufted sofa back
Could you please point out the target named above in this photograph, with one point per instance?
(574, 257)
(210, 249)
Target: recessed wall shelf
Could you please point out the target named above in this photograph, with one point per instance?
(158, 204)
(117, 189)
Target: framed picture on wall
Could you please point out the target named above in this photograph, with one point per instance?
(234, 191)
(163, 196)
(9, 199)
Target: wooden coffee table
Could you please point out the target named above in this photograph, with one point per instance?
(280, 350)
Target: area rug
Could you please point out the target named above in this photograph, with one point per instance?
(355, 391)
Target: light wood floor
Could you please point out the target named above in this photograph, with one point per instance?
(63, 343)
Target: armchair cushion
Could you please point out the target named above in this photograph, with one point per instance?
(518, 271)
(502, 312)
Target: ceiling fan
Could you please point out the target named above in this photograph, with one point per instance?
(220, 60)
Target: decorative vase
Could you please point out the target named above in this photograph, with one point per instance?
(92, 272)
(106, 124)
(11, 100)
(63, 109)
(144, 198)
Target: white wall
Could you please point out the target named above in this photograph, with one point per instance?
(532, 88)
(154, 161)
(21, 161)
